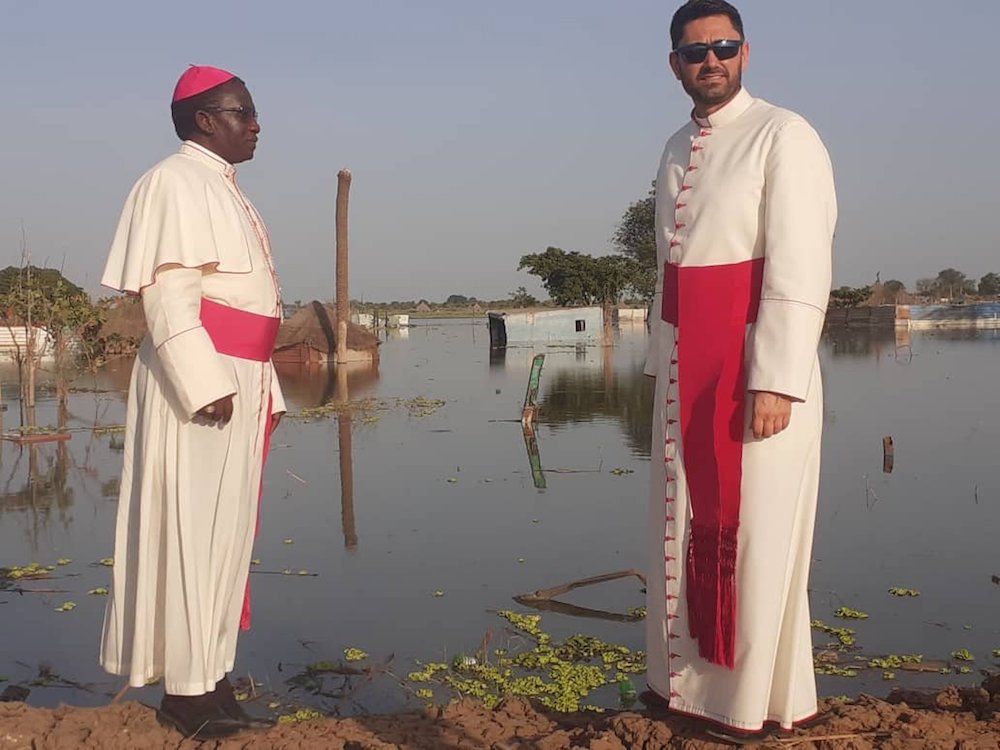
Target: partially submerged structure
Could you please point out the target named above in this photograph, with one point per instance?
(565, 326)
(310, 336)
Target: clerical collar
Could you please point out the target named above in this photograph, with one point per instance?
(729, 113)
(207, 157)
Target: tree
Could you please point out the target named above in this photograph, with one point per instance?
(457, 300)
(847, 296)
(989, 285)
(950, 283)
(520, 298)
(573, 278)
(635, 238)
(894, 286)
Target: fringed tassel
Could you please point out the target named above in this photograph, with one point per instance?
(711, 593)
(725, 643)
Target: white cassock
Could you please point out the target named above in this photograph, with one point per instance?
(745, 213)
(189, 241)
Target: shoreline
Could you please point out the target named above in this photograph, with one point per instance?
(953, 717)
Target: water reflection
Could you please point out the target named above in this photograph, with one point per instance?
(345, 444)
(311, 385)
(864, 342)
(623, 395)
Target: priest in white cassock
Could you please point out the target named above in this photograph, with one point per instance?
(745, 214)
(202, 404)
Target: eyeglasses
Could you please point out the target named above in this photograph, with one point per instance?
(241, 112)
(726, 49)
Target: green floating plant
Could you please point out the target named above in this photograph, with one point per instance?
(834, 670)
(894, 661)
(99, 591)
(303, 714)
(66, 607)
(846, 613)
(31, 570)
(963, 654)
(844, 635)
(355, 654)
(898, 591)
(559, 675)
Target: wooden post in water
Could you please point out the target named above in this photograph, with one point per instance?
(343, 300)
(530, 409)
(888, 454)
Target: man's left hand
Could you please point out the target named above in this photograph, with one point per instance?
(771, 414)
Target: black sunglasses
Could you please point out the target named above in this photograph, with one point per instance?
(241, 112)
(725, 49)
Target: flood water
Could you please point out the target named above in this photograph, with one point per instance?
(440, 522)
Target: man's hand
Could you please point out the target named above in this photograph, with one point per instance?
(771, 414)
(220, 410)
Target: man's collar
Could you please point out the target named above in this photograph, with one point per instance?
(206, 156)
(730, 111)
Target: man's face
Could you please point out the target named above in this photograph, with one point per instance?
(230, 125)
(712, 82)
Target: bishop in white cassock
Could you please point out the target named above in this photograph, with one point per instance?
(745, 214)
(202, 403)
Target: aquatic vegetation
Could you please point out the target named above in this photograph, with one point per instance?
(996, 653)
(559, 675)
(355, 654)
(846, 613)
(99, 591)
(420, 406)
(31, 570)
(63, 561)
(894, 661)
(107, 562)
(962, 654)
(844, 635)
(303, 714)
(109, 429)
(897, 591)
(255, 561)
(888, 675)
(66, 607)
(834, 671)
(638, 613)
(620, 472)
(288, 541)
(438, 594)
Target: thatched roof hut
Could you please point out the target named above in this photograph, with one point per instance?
(311, 336)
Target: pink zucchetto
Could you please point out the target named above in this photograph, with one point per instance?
(199, 78)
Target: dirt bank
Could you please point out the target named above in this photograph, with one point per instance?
(956, 719)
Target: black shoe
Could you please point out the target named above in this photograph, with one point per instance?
(198, 716)
(225, 698)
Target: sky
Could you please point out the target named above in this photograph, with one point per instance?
(478, 132)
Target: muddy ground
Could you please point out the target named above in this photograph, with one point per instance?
(956, 719)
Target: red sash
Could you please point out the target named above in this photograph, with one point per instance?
(711, 306)
(247, 335)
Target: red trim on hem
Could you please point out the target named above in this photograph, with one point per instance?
(767, 724)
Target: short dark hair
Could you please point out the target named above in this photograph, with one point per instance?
(695, 9)
(183, 112)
